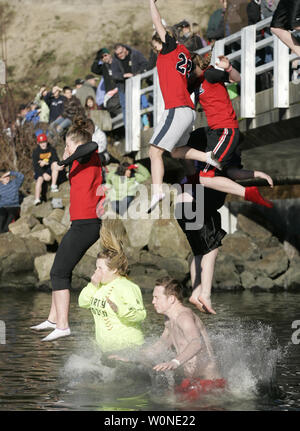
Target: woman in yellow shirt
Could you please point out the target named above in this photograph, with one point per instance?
(115, 302)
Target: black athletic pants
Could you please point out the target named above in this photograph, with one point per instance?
(79, 238)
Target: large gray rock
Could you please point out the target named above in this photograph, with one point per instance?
(42, 234)
(247, 279)
(145, 277)
(258, 233)
(168, 240)
(290, 280)
(240, 248)
(17, 260)
(43, 265)
(42, 210)
(58, 229)
(273, 263)
(85, 268)
(27, 204)
(226, 276)
(138, 231)
(23, 225)
(175, 267)
(66, 217)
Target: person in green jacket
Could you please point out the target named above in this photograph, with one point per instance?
(123, 183)
(115, 302)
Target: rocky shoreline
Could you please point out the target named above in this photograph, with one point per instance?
(250, 258)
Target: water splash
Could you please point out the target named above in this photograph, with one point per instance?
(247, 353)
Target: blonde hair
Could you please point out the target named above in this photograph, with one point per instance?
(80, 130)
(112, 236)
(203, 61)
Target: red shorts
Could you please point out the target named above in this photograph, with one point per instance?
(192, 389)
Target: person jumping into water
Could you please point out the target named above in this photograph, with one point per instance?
(184, 332)
(223, 137)
(173, 67)
(85, 201)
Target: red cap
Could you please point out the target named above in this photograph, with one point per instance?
(42, 138)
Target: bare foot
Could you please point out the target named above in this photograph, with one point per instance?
(203, 304)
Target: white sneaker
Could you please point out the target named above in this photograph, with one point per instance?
(211, 159)
(156, 198)
(57, 333)
(37, 201)
(54, 189)
(44, 325)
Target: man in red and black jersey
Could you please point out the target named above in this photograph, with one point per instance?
(173, 131)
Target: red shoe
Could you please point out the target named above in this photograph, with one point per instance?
(252, 194)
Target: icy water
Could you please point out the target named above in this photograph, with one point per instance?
(252, 336)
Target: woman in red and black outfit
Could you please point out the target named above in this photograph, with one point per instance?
(223, 136)
(85, 203)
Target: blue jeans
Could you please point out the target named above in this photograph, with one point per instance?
(59, 125)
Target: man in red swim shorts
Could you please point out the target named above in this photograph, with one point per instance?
(185, 332)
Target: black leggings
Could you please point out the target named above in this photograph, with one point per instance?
(79, 238)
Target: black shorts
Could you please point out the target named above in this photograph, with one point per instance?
(79, 238)
(208, 237)
(287, 15)
(225, 145)
(46, 170)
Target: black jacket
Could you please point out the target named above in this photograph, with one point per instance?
(139, 64)
(104, 69)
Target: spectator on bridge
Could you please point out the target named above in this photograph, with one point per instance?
(10, 183)
(44, 108)
(264, 55)
(216, 24)
(55, 101)
(126, 63)
(102, 65)
(286, 18)
(87, 89)
(191, 40)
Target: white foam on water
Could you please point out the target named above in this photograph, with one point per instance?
(86, 364)
(247, 354)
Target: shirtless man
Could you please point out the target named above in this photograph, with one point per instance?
(185, 332)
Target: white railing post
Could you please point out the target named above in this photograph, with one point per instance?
(158, 101)
(281, 74)
(133, 117)
(218, 50)
(248, 40)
